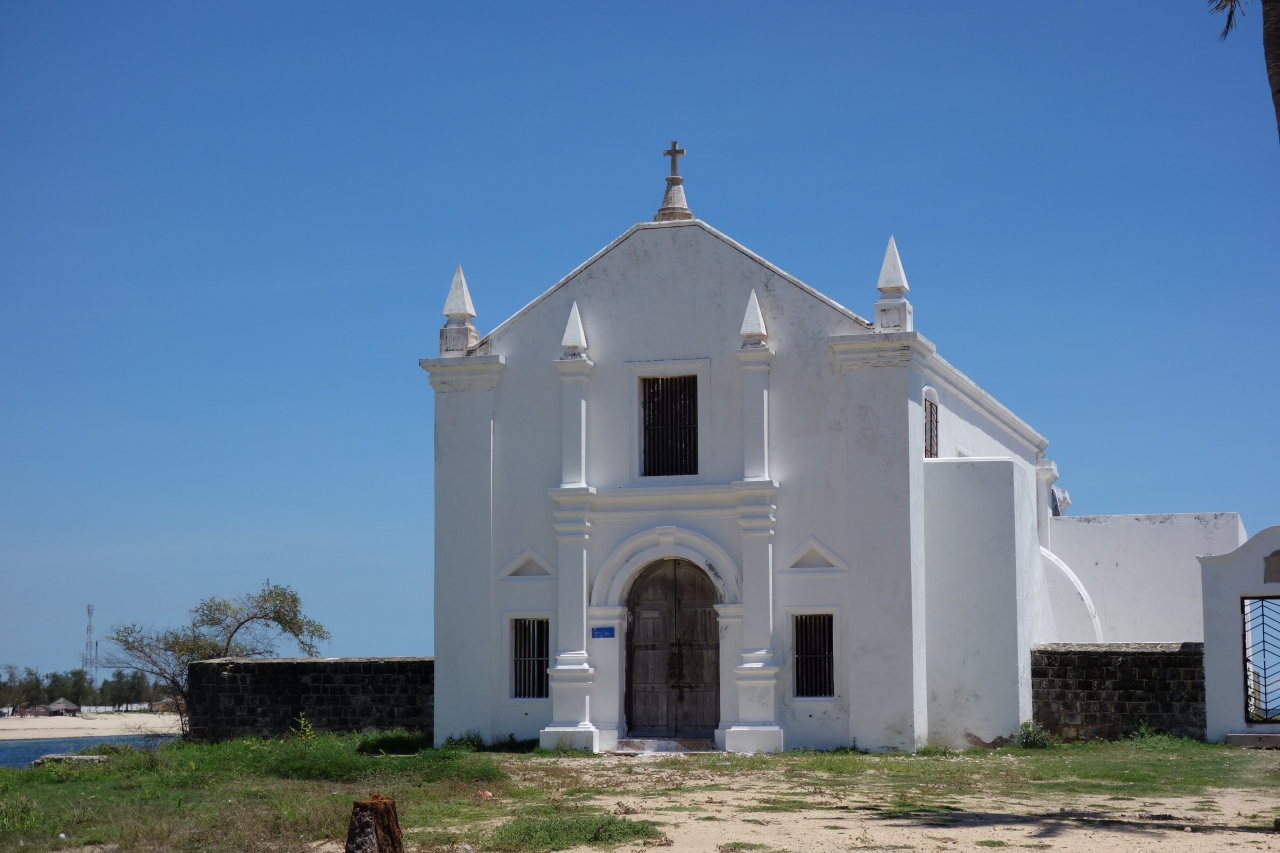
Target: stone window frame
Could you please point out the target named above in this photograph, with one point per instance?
(508, 653)
(699, 367)
(838, 659)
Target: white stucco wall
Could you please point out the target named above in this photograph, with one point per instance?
(1226, 579)
(984, 598)
(1141, 570)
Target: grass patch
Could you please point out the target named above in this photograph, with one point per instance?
(562, 831)
(741, 845)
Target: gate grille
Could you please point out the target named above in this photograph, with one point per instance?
(1261, 659)
(815, 655)
(530, 658)
(670, 406)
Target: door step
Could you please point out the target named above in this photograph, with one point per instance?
(647, 746)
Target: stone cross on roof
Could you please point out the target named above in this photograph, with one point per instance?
(674, 207)
(675, 152)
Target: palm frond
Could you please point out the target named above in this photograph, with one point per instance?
(1230, 7)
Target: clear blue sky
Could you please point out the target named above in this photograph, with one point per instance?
(226, 232)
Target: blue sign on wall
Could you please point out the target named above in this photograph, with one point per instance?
(602, 633)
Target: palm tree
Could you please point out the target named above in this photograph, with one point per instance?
(1270, 39)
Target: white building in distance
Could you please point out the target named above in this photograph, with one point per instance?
(684, 495)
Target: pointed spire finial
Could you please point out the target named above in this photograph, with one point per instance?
(575, 337)
(458, 337)
(458, 304)
(753, 324)
(674, 207)
(893, 279)
(893, 311)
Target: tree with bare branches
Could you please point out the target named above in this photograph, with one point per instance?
(248, 626)
(1270, 40)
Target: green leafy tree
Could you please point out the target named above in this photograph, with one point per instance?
(248, 626)
(1270, 40)
(10, 695)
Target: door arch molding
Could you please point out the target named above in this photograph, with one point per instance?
(613, 584)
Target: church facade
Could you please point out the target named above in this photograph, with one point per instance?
(683, 495)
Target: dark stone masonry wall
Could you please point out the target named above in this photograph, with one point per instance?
(1083, 691)
(231, 697)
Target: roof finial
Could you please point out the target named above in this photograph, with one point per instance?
(575, 337)
(893, 311)
(458, 304)
(674, 207)
(753, 330)
(458, 337)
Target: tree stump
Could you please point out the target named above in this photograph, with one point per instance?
(374, 827)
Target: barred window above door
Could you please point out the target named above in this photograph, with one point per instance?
(815, 655)
(930, 429)
(530, 658)
(669, 411)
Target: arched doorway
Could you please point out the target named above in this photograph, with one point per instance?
(673, 653)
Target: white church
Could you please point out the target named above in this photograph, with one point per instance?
(684, 496)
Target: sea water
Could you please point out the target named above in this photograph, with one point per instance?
(20, 753)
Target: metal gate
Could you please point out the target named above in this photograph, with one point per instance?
(673, 653)
(1261, 659)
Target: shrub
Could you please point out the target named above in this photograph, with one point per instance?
(394, 742)
(1031, 735)
(562, 831)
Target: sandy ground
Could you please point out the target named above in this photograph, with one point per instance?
(88, 725)
(841, 819)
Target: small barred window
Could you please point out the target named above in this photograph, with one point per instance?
(815, 655)
(530, 657)
(670, 411)
(930, 429)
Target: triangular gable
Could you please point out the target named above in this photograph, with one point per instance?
(812, 557)
(694, 223)
(527, 565)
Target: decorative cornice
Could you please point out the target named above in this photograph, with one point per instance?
(755, 357)
(470, 373)
(575, 369)
(886, 349)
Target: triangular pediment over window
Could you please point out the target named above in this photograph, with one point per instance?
(528, 565)
(812, 556)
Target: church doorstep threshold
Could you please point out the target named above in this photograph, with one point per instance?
(647, 746)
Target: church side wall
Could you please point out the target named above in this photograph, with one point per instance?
(1141, 570)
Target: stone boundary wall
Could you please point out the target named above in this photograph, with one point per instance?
(1085, 691)
(233, 697)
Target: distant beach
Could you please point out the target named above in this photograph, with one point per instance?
(89, 725)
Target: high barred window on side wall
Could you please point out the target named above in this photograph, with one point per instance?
(530, 658)
(930, 429)
(669, 408)
(815, 655)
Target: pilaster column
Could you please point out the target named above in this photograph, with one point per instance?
(575, 373)
(571, 674)
(755, 411)
(756, 677)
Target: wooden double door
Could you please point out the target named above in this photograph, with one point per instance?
(673, 653)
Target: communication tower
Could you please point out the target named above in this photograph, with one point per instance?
(89, 662)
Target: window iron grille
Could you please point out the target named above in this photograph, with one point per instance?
(530, 658)
(670, 413)
(815, 655)
(1261, 659)
(930, 429)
